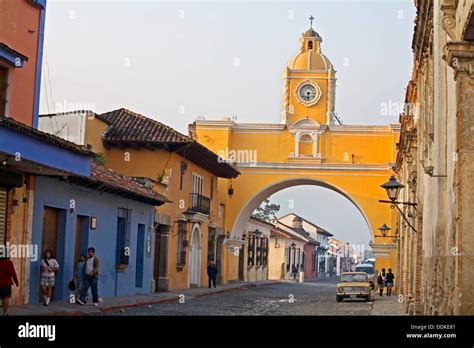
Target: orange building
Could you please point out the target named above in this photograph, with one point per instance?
(21, 51)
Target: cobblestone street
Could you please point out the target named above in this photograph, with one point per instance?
(312, 298)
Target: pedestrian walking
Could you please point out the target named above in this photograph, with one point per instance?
(389, 277)
(80, 275)
(294, 272)
(49, 267)
(7, 279)
(91, 278)
(381, 281)
(212, 274)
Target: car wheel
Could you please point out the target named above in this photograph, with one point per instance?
(338, 298)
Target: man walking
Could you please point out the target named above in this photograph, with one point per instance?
(91, 278)
(389, 283)
(212, 274)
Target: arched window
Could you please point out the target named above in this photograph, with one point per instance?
(310, 45)
(305, 146)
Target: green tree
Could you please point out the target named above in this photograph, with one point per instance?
(266, 210)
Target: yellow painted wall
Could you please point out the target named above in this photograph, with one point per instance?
(371, 146)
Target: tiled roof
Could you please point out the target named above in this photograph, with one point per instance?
(256, 218)
(319, 229)
(295, 236)
(278, 233)
(106, 180)
(127, 128)
(18, 127)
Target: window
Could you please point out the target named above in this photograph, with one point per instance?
(315, 262)
(310, 45)
(3, 90)
(197, 185)
(212, 187)
(123, 238)
(259, 251)
(298, 258)
(265, 251)
(211, 244)
(183, 166)
(251, 251)
(181, 253)
(293, 257)
(305, 145)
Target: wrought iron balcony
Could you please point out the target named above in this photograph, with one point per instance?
(200, 204)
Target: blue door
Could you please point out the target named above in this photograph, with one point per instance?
(140, 255)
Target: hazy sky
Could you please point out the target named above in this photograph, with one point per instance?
(175, 60)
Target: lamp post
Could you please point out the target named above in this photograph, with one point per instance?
(384, 231)
(189, 215)
(393, 188)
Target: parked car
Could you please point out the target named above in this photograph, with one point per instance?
(369, 269)
(354, 285)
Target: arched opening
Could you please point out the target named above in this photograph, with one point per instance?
(305, 145)
(298, 231)
(247, 210)
(194, 274)
(310, 45)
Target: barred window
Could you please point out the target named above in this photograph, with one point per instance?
(181, 254)
(264, 251)
(259, 251)
(3, 90)
(251, 251)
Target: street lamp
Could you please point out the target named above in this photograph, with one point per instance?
(189, 214)
(393, 188)
(384, 230)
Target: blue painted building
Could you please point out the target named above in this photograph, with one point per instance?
(107, 211)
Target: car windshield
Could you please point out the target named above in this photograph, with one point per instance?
(353, 277)
(368, 270)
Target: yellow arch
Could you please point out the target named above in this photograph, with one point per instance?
(249, 207)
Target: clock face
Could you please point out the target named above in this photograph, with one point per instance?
(307, 93)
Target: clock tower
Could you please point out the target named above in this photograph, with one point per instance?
(309, 83)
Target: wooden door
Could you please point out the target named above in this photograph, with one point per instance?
(49, 238)
(50, 230)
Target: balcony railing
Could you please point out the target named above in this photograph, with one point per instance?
(200, 204)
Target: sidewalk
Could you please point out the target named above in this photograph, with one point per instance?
(112, 304)
(387, 305)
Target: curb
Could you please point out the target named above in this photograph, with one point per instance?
(133, 305)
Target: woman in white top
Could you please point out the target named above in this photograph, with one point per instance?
(48, 277)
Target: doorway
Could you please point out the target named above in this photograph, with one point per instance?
(140, 256)
(82, 238)
(195, 258)
(53, 234)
